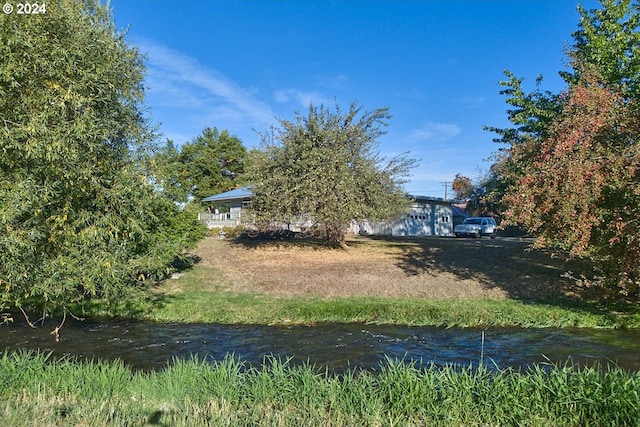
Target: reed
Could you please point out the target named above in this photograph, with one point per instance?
(37, 390)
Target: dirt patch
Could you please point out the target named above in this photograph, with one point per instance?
(418, 268)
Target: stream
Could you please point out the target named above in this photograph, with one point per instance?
(336, 347)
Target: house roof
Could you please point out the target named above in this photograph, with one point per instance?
(236, 194)
(246, 193)
(428, 199)
(458, 211)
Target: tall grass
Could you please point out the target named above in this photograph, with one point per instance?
(36, 390)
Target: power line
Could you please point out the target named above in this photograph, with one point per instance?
(446, 187)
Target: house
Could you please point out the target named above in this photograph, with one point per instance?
(225, 209)
(427, 216)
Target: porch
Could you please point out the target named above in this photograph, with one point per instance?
(219, 220)
(225, 210)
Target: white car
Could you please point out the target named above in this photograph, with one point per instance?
(477, 226)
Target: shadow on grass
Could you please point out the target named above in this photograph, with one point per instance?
(185, 262)
(285, 239)
(511, 264)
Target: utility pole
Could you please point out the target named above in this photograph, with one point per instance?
(446, 187)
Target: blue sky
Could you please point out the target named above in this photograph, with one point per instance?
(237, 65)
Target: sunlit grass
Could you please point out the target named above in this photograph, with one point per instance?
(35, 390)
(192, 299)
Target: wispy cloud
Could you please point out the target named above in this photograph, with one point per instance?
(301, 97)
(177, 80)
(410, 93)
(472, 102)
(433, 131)
(337, 81)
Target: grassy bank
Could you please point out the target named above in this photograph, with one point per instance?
(202, 295)
(428, 282)
(36, 391)
(235, 308)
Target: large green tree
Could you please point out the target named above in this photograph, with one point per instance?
(78, 217)
(165, 169)
(323, 168)
(571, 167)
(211, 163)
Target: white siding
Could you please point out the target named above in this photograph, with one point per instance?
(423, 219)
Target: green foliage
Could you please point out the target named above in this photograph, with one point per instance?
(531, 112)
(607, 42)
(323, 168)
(210, 164)
(228, 231)
(165, 168)
(608, 39)
(571, 172)
(77, 216)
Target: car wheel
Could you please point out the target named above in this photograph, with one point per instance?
(477, 235)
(493, 235)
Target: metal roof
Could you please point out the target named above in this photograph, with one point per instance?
(238, 193)
(246, 193)
(428, 199)
(458, 211)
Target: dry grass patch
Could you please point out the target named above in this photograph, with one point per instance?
(435, 268)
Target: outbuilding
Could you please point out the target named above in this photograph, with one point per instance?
(427, 216)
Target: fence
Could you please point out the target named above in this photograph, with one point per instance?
(218, 220)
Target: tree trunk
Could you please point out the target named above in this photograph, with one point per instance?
(335, 235)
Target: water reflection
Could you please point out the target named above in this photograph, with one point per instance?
(337, 347)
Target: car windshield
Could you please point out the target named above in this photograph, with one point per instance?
(476, 221)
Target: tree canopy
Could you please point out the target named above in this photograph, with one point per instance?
(323, 168)
(462, 187)
(78, 217)
(211, 163)
(487, 194)
(572, 165)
